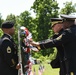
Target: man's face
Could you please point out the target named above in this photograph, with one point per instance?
(65, 24)
(12, 31)
(57, 27)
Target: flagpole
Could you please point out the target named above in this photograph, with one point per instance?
(20, 71)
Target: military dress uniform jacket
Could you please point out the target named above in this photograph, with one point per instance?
(60, 56)
(8, 56)
(68, 39)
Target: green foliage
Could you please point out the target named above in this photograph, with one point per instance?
(52, 56)
(36, 55)
(48, 70)
(40, 27)
(44, 9)
(24, 19)
(42, 58)
(68, 8)
(1, 20)
(1, 33)
(12, 18)
(46, 58)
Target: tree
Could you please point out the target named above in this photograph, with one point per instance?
(1, 20)
(12, 18)
(44, 9)
(26, 20)
(68, 8)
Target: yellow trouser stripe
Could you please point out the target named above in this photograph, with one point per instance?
(71, 73)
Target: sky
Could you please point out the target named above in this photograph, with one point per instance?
(16, 7)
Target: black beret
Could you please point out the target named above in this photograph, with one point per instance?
(7, 24)
(55, 20)
(68, 17)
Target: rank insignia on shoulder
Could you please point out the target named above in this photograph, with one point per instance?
(8, 49)
(59, 37)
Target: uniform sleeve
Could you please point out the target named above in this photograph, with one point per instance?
(64, 38)
(9, 55)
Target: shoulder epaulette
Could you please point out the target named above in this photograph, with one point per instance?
(5, 39)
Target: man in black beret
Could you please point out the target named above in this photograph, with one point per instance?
(68, 40)
(8, 51)
(7, 24)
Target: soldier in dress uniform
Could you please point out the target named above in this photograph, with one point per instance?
(8, 51)
(68, 40)
(58, 62)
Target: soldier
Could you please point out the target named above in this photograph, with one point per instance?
(57, 27)
(8, 51)
(68, 40)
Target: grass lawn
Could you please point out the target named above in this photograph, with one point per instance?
(48, 70)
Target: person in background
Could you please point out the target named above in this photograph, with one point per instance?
(68, 40)
(8, 50)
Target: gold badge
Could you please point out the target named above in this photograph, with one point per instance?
(13, 61)
(8, 49)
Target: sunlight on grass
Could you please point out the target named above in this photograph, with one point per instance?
(48, 70)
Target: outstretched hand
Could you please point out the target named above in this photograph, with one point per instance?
(33, 43)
